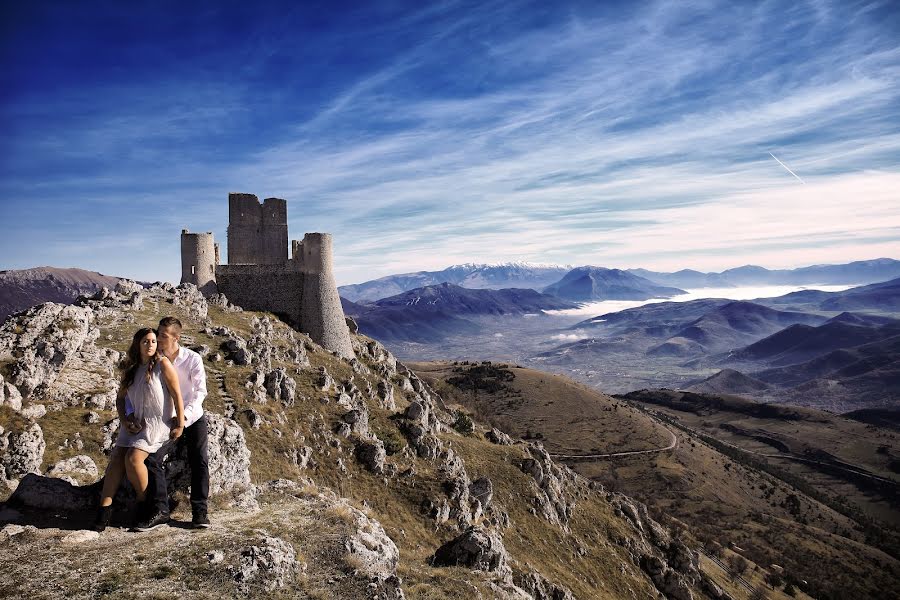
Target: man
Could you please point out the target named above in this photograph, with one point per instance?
(192, 381)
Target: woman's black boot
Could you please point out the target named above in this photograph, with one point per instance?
(103, 515)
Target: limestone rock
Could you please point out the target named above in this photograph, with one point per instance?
(482, 490)
(51, 493)
(496, 436)
(281, 386)
(539, 588)
(9, 395)
(372, 455)
(270, 563)
(24, 452)
(351, 325)
(369, 549)
(476, 548)
(189, 296)
(229, 462)
(325, 382)
(666, 579)
(42, 340)
(358, 420)
(236, 347)
(77, 465)
(386, 395)
(551, 499)
(127, 287)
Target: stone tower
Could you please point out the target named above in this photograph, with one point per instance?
(321, 313)
(199, 257)
(300, 289)
(257, 233)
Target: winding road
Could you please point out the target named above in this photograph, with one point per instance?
(672, 445)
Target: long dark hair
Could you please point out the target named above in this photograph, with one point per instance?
(133, 359)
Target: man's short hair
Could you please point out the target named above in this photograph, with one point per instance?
(170, 322)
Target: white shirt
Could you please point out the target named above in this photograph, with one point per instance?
(192, 382)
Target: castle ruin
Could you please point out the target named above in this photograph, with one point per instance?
(300, 289)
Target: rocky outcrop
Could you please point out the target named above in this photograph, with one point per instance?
(188, 296)
(41, 340)
(539, 588)
(23, 453)
(229, 463)
(78, 466)
(281, 386)
(475, 548)
(550, 497)
(270, 563)
(10, 395)
(51, 493)
(496, 436)
(372, 455)
(372, 553)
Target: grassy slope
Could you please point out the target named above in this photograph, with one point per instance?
(603, 571)
(713, 496)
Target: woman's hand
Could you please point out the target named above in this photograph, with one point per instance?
(131, 425)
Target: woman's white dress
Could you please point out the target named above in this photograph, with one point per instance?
(152, 406)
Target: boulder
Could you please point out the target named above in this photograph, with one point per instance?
(372, 455)
(270, 563)
(24, 452)
(229, 462)
(281, 386)
(477, 549)
(496, 436)
(80, 465)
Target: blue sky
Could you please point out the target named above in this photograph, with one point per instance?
(617, 134)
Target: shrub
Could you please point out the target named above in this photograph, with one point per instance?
(463, 423)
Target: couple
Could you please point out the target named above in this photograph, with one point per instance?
(160, 398)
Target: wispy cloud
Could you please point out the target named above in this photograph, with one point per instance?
(618, 136)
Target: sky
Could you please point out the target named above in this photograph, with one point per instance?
(618, 134)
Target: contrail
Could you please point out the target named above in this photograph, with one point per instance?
(787, 169)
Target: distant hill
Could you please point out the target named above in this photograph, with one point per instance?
(738, 323)
(800, 343)
(858, 272)
(23, 288)
(729, 381)
(432, 312)
(483, 276)
(584, 284)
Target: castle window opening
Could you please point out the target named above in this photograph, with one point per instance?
(193, 269)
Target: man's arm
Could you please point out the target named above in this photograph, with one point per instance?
(198, 387)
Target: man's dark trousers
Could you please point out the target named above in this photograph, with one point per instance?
(195, 439)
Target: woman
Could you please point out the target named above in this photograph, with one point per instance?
(149, 380)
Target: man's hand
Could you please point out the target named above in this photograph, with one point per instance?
(177, 429)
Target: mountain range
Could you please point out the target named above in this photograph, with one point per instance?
(470, 275)
(430, 313)
(540, 276)
(20, 289)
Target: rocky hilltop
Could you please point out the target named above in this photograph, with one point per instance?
(331, 478)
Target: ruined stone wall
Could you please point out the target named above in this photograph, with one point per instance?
(273, 288)
(273, 234)
(199, 256)
(257, 233)
(322, 315)
(244, 221)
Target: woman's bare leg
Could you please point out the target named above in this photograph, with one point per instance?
(115, 470)
(136, 471)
